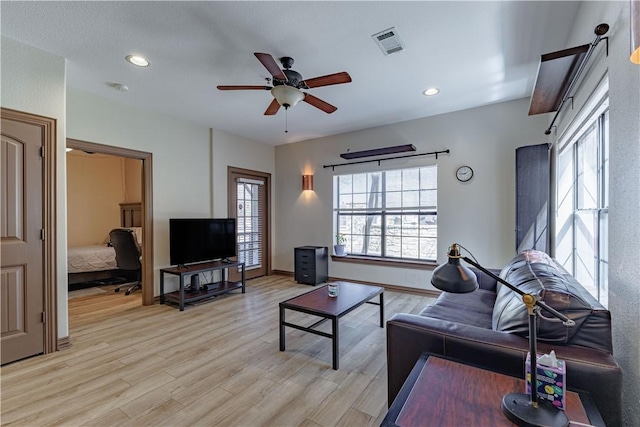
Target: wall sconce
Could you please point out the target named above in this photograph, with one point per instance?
(635, 31)
(307, 182)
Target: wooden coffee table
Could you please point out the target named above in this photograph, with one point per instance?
(319, 303)
(443, 392)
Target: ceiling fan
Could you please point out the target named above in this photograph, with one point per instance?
(288, 84)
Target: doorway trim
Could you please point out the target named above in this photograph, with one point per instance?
(49, 220)
(231, 208)
(147, 204)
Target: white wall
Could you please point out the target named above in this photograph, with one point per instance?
(181, 179)
(33, 81)
(189, 161)
(232, 150)
(479, 214)
(624, 187)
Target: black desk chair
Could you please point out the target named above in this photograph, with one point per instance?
(128, 254)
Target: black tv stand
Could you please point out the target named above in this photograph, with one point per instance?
(208, 289)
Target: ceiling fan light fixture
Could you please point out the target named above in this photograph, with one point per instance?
(287, 96)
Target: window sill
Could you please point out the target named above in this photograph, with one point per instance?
(387, 262)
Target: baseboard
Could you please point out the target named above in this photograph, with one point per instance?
(64, 343)
(282, 273)
(388, 287)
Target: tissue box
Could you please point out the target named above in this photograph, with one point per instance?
(551, 382)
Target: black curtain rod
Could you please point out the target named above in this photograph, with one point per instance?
(387, 158)
(599, 31)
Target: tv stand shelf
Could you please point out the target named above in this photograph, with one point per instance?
(183, 297)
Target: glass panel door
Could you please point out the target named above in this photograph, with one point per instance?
(249, 208)
(248, 193)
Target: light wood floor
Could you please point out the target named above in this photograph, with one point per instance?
(215, 364)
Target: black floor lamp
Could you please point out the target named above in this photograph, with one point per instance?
(522, 409)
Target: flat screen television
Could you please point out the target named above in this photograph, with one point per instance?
(194, 240)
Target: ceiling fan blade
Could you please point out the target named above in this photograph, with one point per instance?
(328, 80)
(272, 108)
(244, 87)
(271, 65)
(319, 103)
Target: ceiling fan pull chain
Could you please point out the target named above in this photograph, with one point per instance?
(286, 120)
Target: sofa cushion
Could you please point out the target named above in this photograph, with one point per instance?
(536, 273)
(474, 308)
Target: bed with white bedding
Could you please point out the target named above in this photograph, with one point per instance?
(91, 265)
(94, 263)
(90, 258)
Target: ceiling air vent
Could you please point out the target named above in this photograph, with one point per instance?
(388, 41)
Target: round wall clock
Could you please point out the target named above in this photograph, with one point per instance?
(464, 173)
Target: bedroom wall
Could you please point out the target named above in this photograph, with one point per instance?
(33, 81)
(624, 187)
(132, 180)
(479, 214)
(96, 185)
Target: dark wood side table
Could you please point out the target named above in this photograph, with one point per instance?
(442, 392)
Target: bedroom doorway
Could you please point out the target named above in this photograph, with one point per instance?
(146, 205)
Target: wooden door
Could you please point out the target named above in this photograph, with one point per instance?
(249, 204)
(22, 288)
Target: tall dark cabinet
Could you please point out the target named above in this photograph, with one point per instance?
(311, 264)
(532, 197)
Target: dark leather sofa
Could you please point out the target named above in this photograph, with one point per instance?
(488, 328)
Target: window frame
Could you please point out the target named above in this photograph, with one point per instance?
(384, 212)
(594, 116)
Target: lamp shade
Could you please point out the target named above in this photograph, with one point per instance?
(453, 276)
(287, 96)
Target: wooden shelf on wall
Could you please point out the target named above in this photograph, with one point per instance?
(378, 151)
(555, 73)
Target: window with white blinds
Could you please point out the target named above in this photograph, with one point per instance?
(388, 214)
(249, 213)
(582, 211)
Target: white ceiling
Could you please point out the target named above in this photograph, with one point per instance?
(476, 53)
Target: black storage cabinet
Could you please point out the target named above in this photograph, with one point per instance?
(311, 264)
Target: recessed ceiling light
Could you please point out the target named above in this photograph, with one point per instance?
(138, 60)
(431, 91)
(68, 149)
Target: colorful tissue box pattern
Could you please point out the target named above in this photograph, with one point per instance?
(551, 382)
